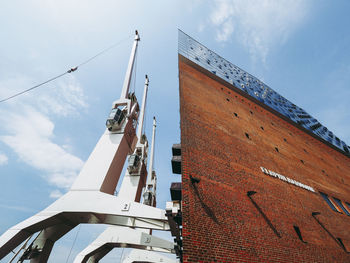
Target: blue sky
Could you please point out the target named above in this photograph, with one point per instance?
(299, 48)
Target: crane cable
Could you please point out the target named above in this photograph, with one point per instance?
(71, 70)
(75, 239)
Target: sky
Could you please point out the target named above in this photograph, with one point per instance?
(299, 48)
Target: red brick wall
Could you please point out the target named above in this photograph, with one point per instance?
(220, 222)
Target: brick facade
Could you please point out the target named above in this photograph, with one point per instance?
(226, 136)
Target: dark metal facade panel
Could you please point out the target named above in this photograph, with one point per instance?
(175, 191)
(176, 164)
(176, 149)
(204, 57)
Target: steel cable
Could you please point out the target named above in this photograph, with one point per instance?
(71, 70)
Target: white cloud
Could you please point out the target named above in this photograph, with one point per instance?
(224, 10)
(67, 99)
(30, 135)
(62, 97)
(29, 129)
(17, 208)
(3, 159)
(258, 25)
(77, 15)
(226, 31)
(201, 27)
(55, 194)
(13, 85)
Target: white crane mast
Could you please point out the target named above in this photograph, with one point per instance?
(91, 199)
(136, 174)
(149, 179)
(149, 196)
(128, 74)
(142, 112)
(116, 236)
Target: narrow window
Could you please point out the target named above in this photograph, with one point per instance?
(347, 205)
(329, 202)
(341, 243)
(340, 204)
(297, 230)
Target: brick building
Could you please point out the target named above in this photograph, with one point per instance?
(262, 181)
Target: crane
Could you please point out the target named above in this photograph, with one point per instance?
(117, 236)
(91, 199)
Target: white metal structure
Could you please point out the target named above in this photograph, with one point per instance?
(136, 174)
(149, 196)
(122, 237)
(115, 236)
(137, 255)
(91, 199)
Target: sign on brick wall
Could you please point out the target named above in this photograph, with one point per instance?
(286, 179)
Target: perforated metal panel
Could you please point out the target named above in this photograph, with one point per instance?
(204, 57)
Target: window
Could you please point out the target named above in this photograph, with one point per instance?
(340, 204)
(297, 230)
(342, 244)
(329, 202)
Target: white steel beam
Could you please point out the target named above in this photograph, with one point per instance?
(137, 255)
(102, 170)
(122, 237)
(77, 207)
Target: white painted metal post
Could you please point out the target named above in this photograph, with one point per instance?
(150, 169)
(150, 190)
(142, 111)
(128, 74)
